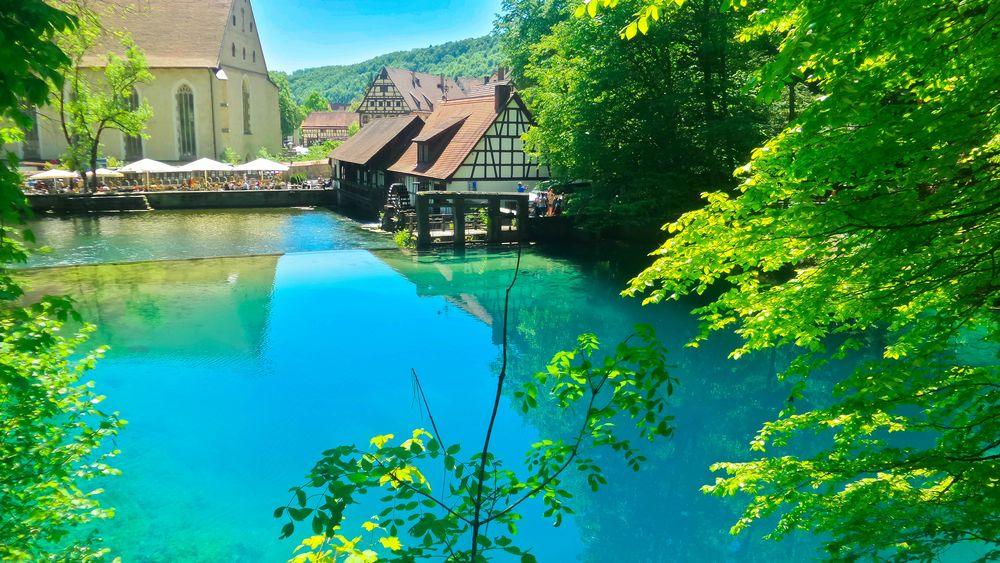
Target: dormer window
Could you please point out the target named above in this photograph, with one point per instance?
(423, 153)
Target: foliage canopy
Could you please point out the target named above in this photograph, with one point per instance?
(872, 223)
(650, 124)
(51, 425)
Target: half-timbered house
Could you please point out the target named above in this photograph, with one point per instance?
(320, 126)
(396, 91)
(472, 144)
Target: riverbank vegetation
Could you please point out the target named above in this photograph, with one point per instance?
(870, 223)
(51, 423)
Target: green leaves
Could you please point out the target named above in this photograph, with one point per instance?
(632, 384)
(872, 223)
(54, 429)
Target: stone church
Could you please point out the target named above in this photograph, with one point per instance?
(211, 89)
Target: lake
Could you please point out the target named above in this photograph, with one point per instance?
(244, 343)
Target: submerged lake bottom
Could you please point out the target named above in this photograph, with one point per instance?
(235, 374)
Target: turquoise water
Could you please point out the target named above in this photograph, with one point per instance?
(235, 373)
(164, 235)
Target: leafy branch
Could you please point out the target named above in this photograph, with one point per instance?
(477, 504)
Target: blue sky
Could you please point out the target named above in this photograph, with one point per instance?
(308, 33)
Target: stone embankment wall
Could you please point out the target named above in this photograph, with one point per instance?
(65, 203)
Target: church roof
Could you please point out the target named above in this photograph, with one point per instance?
(172, 33)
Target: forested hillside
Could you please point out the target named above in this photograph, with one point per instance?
(342, 83)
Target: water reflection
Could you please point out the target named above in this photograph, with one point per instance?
(235, 373)
(166, 235)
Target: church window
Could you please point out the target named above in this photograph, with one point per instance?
(234, 50)
(255, 56)
(186, 133)
(246, 109)
(133, 144)
(244, 53)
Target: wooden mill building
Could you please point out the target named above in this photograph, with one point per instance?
(361, 163)
(466, 145)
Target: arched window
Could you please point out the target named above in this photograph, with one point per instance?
(30, 147)
(133, 144)
(186, 133)
(255, 56)
(244, 53)
(234, 19)
(234, 50)
(246, 108)
(243, 19)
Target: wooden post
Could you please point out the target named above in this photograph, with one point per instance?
(458, 238)
(423, 221)
(494, 228)
(522, 218)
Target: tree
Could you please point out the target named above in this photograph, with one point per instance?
(51, 428)
(315, 102)
(92, 104)
(291, 113)
(868, 228)
(651, 124)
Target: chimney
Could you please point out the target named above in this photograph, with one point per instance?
(501, 74)
(486, 80)
(501, 95)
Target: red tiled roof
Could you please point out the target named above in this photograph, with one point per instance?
(372, 138)
(330, 119)
(476, 115)
(172, 33)
(422, 91)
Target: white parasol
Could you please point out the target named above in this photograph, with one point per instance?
(54, 174)
(105, 173)
(148, 166)
(206, 165)
(262, 165)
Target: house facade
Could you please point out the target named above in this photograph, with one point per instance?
(321, 126)
(472, 144)
(396, 91)
(210, 90)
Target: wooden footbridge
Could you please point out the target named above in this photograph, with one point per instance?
(459, 218)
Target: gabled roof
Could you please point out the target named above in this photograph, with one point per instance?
(366, 144)
(330, 119)
(443, 126)
(172, 33)
(476, 115)
(423, 91)
(475, 90)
